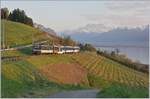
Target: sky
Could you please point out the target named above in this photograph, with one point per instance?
(66, 15)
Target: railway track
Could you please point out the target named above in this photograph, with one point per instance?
(11, 58)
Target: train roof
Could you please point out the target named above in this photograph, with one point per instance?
(70, 46)
(57, 46)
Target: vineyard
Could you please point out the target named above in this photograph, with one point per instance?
(27, 75)
(110, 70)
(82, 70)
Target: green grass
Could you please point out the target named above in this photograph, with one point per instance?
(22, 79)
(112, 78)
(117, 90)
(15, 76)
(11, 53)
(21, 52)
(48, 59)
(19, 34)
(98, 82)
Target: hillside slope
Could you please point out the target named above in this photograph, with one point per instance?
(111, 71)
(84, 69)
(23, 79)
(40, 75)
(16, 34)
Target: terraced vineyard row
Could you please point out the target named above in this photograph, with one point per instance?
(111, 70)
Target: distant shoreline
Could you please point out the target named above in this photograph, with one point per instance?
(123, 46)
(135, 53)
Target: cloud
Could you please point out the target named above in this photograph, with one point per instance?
(127, 13)
(127, 5)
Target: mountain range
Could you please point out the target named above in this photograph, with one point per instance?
(100, 34)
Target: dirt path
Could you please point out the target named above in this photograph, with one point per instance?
(88, 93)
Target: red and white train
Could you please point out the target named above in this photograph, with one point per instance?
(53, 49)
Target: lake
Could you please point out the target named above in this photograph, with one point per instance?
(135, 53)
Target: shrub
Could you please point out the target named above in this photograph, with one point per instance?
(123, 91)
(86, 47)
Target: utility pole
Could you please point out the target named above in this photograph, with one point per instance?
(32, 38)
(3, 37)
(53, 45)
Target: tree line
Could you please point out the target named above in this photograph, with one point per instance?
(16, 15)
(122, 59)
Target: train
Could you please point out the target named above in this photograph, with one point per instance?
(54, 49)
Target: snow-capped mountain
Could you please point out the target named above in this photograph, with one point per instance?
(94, 28)
(100, 33)
(89, 28)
